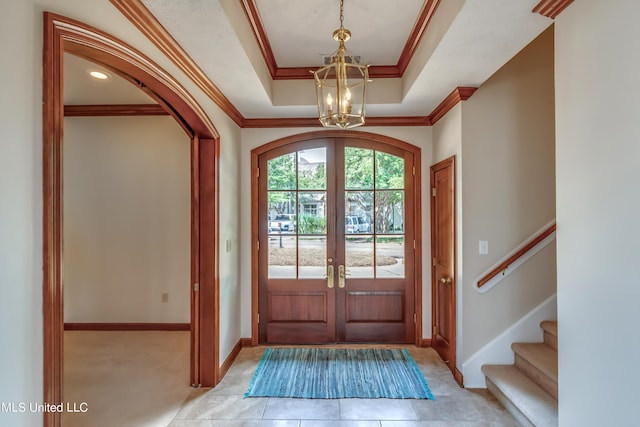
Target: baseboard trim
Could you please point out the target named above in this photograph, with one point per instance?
(235, 351)
(426, 342)
(457, 375)
(127, 326)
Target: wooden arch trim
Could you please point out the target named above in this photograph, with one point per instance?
(61, 35)
(367, 136)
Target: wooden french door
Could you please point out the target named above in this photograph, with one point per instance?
(443, 263)
(336, 233)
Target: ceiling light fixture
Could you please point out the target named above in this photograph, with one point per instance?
(99, 75)
(341, 85)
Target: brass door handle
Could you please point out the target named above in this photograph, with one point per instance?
(330, 276)
(341, 276)
(445, 280)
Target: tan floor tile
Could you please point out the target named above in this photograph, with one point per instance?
(302, 409)
(142, 380)
(377, 409)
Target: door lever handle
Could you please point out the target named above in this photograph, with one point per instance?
(445, 280)
(329, 276)
(341, 276)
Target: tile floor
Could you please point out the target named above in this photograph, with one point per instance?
(122, 402)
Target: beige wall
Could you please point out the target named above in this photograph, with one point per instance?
(127, 204)
(230, 260)
(598, 172)
(508, 189)
(20, 211)
(21, 183)
(503, 141)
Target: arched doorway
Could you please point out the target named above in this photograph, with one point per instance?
(65, 35)
(336, 220)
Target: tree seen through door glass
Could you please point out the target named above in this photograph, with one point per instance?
(374, 219)
(281, 173)
(358, 168)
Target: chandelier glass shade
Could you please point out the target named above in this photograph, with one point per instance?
(341, 86)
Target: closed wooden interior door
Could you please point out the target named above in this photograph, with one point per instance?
(336, 236)
(443, 264)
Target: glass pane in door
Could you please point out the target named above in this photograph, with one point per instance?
(390, 256)
(359, 256)
(297, 217)
(358, 168)
(374, 213)
(312, 234)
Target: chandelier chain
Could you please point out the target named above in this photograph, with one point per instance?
(341, 14)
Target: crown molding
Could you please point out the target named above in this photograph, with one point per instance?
(114, 110)
(551, 8)
(375, 71)
(142, 18)
(314, 122)
(461, 93)
(251, 12)
(419, 29)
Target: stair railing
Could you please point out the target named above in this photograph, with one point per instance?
(516, 258)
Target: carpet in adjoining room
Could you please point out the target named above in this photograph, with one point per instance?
(322, 373)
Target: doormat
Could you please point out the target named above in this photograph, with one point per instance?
(322, 373)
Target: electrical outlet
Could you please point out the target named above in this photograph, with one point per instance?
(228, 245)
(165, 297)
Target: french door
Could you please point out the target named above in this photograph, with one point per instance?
(336, 243)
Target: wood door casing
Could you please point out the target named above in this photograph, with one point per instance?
(360, 312)
(443, 260)
(61, 35)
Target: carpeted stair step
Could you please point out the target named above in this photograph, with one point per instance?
(540, 363)
(524, 399)
(550, 329)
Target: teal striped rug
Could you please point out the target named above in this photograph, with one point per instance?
(323, 373)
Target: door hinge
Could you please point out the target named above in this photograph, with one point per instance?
(258, 244)
(414, 245)
(433, 261)
(435, 331)
(257, 172)
(415, 318)
(433, 192)
(196, 287)
(414, 171)
(258, 317)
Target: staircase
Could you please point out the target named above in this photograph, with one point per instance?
(529, 387)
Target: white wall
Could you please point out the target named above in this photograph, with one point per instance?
(20, 211)
(253, 138)
(598, 171)
(127, 220)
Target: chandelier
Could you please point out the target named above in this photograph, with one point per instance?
(340, 86)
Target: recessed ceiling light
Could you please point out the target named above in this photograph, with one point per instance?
(99, 75)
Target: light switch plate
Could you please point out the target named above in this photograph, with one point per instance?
(483, 247)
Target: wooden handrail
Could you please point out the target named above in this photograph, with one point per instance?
(513, 258)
